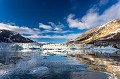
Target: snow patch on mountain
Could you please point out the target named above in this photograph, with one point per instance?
(106, 24)
(117, 31)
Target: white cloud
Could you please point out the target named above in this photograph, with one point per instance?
(52, 26)
(33, 32)
(57, 27)
(21, 30)
(76, 23)
(57, 31)
(33, 36)
(67, 36)
(72, 36)
(92, 18)
(47, 27)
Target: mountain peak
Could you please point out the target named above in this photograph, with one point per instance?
(8, 36)
(109, 31)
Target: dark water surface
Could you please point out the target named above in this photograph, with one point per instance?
(34, 64)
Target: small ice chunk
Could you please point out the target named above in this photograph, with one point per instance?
(39, 71)
(1, 31)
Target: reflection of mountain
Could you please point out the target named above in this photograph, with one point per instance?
(101, 61)
(12, 37)
(107, 33)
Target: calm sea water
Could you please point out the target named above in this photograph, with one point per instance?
(82, 64)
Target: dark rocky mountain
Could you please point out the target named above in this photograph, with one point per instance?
(13, 37)
(107, 33)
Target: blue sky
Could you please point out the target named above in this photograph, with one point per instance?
(56, 20)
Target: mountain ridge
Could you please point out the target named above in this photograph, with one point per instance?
(8, 36)
(106, 32)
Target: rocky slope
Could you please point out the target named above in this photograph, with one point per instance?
(13, 37)
(109, 32)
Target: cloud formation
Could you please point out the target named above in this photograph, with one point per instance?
(35, 32)
(57, 27)
(47, 27)
(21, 30)
(93, 19)
(67, 36)
(57, 31)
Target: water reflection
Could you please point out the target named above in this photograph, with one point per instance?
(101, 61)
(69, 64)
(35, 64)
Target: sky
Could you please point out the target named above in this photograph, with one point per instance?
(56, 20)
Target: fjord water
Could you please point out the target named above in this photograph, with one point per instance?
(81, 64)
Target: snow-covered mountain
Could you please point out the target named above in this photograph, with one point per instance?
(109, 32)
(13, 37)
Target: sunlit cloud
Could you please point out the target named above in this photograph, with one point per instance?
(93, 19)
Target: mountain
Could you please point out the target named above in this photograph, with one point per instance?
(13, 37)
(107, 33)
